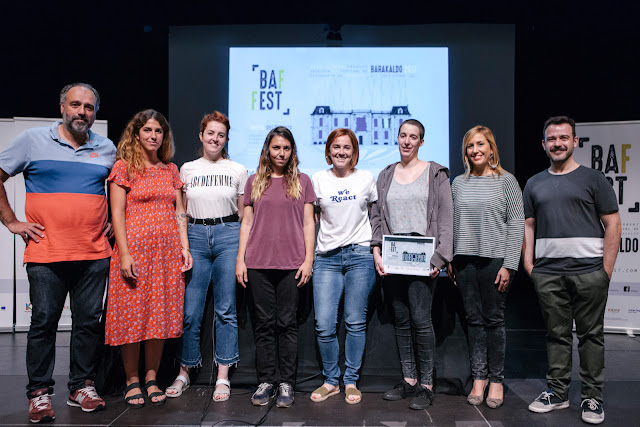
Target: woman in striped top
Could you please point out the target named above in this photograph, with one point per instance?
(488, 226)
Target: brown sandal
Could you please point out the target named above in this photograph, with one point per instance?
(352, 392)
(324, 394)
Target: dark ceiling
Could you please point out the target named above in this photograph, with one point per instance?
(574, 58)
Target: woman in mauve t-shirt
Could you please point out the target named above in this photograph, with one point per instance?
(275, 258)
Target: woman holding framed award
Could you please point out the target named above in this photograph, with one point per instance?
(488, 227)
(414, 198)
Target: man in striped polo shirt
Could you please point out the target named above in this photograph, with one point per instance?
(66, 232)
(573, 226)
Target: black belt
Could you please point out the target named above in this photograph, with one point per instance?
(214, 221)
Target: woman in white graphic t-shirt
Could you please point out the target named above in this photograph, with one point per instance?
(344, 262)
(213, 186)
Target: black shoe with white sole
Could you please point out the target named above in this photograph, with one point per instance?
(547, 402)
(592, 411)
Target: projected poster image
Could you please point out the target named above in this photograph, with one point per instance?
(315, 90)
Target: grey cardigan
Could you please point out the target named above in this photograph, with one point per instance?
(439, 212)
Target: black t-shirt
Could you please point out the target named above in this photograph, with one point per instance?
(567, 208)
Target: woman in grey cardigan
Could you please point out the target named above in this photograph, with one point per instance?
(414, 198)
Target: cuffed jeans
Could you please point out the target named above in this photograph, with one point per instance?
(584, 296)
(350, 271)
(411, 298)
(275, 301)
(48, 287)
(484, 306)
(214, 249)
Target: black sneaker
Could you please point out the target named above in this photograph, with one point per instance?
(263, 394)
(285, 395)
(422, 399)
(547, 402)
(592, 411)
(401, 391)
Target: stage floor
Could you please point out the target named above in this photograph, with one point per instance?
(195, 407)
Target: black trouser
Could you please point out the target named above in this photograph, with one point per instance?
(49, 284)
(275, 301)
(484, 306)
(411, 298)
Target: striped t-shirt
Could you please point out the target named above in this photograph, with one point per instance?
(65, 192)
(488, 218)
(567, 210)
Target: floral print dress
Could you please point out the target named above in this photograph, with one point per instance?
(152, 307)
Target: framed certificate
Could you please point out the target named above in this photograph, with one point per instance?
(410, 255)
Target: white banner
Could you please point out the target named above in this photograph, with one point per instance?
(7, 271)
(12, 247)
(614, 149)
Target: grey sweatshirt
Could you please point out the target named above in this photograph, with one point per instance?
(439, 212)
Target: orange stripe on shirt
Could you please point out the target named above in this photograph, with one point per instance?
(73, 227)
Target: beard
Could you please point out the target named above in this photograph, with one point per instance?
(559, 155)
(76, 124)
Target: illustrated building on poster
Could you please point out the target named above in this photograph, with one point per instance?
(370, 127)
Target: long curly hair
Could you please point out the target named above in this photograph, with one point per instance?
(291, 173)
(129, 149)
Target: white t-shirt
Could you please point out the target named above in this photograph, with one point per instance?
(344, 217)
(212, 188)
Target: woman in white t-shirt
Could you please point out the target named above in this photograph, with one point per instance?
(344, 262)
(213, 186)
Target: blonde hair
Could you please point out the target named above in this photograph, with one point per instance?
(291, 173)
(129, 149)
(486, 132)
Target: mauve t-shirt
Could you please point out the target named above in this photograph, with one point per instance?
(276, 240)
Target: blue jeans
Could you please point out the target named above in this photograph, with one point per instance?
(350, 271)
(411, 298)
(48, 287)
(214, 249)
(484, 305)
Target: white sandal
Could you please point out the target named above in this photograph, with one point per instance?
(216, 393)
(185, 385)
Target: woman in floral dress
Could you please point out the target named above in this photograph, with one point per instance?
(146, 280)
